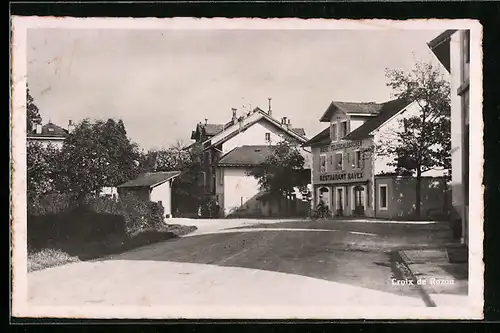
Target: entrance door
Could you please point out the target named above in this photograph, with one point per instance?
(324, 194)
(339, 203)
(359, 200)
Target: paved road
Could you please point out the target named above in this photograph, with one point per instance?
(342, 263)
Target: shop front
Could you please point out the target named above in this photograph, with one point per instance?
(343, 178)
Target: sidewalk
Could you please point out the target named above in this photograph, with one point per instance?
(444, 282)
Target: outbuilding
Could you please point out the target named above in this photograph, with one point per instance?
(153, 186)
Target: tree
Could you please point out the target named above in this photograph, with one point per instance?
(40, 170)
(282, 170)
(96, 155)
(32, 112)
(423, 141)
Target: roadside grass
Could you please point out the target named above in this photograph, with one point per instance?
(74, 250)
(46, 258)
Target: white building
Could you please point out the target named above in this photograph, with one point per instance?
(152, 186)
(351, 177)
(452, 48)
(49, 134)
(232, 149)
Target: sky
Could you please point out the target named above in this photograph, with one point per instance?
(161, 83)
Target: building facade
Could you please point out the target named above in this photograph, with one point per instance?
(452, 48)
(152, 186)
(348, 173)
(230, 150)
(49, 134)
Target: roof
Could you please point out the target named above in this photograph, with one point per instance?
(322, 137)
(368, 108)
(299, 131)
(151, 179)
(50, 130)
(388, 110)
(440, 46)
(212, 129)
(246, 156)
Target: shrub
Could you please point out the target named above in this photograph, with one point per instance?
(139, 215)
(49, 204)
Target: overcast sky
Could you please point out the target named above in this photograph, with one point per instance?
(161, 83)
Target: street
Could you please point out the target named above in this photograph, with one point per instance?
(322, 263)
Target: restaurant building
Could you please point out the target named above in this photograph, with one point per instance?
(349, 174)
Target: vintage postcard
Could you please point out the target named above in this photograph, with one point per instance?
(246, 168)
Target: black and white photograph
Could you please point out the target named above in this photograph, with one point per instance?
(246, 168)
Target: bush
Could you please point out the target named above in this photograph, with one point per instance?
(139, 215)
(50, 204)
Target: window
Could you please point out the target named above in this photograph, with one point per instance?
(330, 162)
(322, 163)
(268, 137)
(333, 132)
(343, 129)
(358, 159)
(466, 46)
(339, 165)
(382, 201)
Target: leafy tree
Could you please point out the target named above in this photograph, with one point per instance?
(187, 186)
(32, 112)
(423, 141)
(281, 171)
(97, 155)
(40, 168)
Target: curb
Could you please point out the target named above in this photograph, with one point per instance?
(400, 257)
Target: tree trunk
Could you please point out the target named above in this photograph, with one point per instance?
(418, 192)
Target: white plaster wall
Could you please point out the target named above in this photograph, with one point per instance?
(457, 151)
(163, 193)
(255, 135)
(356, 122)
(387, 133)
(238, 188)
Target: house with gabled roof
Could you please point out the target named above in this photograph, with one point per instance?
(231, 149)
(49, 134)
(352, 178)
(152, 186)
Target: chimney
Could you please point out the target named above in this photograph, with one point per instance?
(206, 121)
(269, 111)
(234, 116)
(71, 127)
(289, 124)
(284, 121)
(38, 129)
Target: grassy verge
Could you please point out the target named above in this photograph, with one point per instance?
(49, 258)
(61, 253)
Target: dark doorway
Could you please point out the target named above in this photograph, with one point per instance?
(359, 200)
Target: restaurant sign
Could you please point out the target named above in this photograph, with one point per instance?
(342, 145)
(351, 176)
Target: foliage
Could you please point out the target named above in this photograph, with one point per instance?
(40, 168)
(32, 112)
(187, 187)
(280, 172)
(96, 155)
(423, 142)
(139, 215)
(53, 203)
(48, 258)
